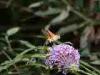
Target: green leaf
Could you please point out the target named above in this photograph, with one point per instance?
(62, 16)
(89, 66)
(34, 5)
(18, 58)
(5, 62)
(50, 11)
(39, 65)
(39, 55)
(96, 62)
(67, 29)
(84, 40)
(12, 31)
(26, 43)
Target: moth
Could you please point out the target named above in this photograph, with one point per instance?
(50, 36)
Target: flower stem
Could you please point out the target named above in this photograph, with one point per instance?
(88, 70)
(86, 64)
(81, 71)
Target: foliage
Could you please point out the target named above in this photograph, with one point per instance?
(23, 47)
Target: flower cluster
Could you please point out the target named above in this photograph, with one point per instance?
(63, 56)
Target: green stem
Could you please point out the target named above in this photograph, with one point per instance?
(81, 71)
(87, 69)
(86, 64)
(11, 60)
(9, 45)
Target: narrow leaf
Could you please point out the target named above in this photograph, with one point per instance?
(12, 31)
(37, 4)
(67, 29)
(26, 43)
(50, 11)
(63, 15)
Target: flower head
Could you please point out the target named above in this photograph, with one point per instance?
(63, 56)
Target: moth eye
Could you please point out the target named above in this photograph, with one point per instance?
(68, 43)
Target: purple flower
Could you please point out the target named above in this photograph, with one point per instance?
(63, 56)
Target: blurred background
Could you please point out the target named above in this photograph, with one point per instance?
(22, 38)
